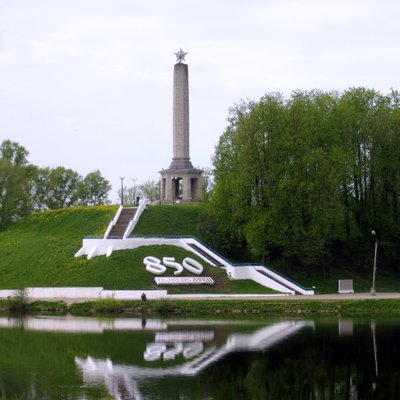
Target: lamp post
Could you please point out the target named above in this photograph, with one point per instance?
(134, 190)
(122, 190)
(373, 291)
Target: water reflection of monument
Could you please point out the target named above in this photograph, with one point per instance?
(127, 358)
(173, 348)
(193, 351)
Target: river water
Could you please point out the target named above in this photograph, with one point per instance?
(132, 358)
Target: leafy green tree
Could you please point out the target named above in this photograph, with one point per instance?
(224, 227)
(13, 152)
(25, 187)
(207, 182)
(14, 193)
(64, 188)
(305, 213)
(93, 189)
(149, 189)
(40, 187)
(14, 183)
(368, 123)
(300, 177)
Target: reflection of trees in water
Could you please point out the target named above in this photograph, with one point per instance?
(312, 367)
(335, 361)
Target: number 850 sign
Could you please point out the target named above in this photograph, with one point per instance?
(154, 265)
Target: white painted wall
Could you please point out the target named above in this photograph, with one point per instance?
(7, 293)
(133, 294)
(64, 292)
(100, 247)
(84, 293)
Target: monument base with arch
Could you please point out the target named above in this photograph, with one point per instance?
(181, 185)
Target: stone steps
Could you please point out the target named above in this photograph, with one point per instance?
(118, 230)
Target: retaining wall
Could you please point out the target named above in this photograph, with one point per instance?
(84, 293)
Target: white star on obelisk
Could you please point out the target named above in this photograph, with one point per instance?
(180, 56)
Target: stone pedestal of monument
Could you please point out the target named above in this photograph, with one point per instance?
(181, 185)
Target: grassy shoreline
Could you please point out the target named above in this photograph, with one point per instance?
(259, 308)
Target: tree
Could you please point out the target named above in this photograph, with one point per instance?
(227, 204)
(301, 176)
(93, 189)
(150, 190)
(207, 182)
(64, 187)
(14, 193)
(129, 195)
(25, 187)
(14, 152)
(14, 183)
(40, 187)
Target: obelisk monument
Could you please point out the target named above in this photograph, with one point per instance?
(180, 182)
(180, 132)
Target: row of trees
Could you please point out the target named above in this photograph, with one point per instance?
(25, 188)
(306, 176)
(149, 189)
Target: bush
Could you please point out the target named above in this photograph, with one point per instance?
(20, 300)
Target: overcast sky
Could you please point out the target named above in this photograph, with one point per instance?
(87, 84)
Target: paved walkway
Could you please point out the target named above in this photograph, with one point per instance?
(334, 297)
(351, 296)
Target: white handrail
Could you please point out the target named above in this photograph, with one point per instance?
(278, 278)
(135, 219)
(113, 222)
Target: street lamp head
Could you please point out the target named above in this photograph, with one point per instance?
(373, 233)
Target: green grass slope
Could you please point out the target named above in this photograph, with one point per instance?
(39, 252)
(179, 220)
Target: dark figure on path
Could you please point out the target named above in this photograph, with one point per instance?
(144, 298)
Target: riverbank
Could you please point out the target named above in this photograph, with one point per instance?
(360, 305)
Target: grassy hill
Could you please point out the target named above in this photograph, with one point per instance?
(39, 251)
(179, 220)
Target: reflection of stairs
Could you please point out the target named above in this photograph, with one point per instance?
(118, 230)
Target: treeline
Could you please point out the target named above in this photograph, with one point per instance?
(308, 177)
(26, 188)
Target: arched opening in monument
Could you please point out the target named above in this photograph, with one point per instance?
(194, 182)
(177, 188)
